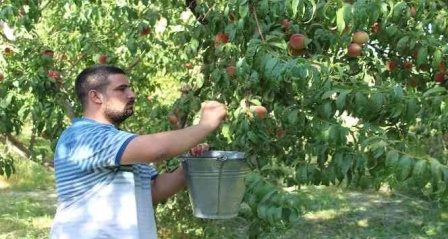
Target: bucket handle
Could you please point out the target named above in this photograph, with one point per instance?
(222, 158)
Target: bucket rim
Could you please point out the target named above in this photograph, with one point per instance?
(216, 154)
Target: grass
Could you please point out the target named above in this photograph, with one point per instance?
(342, 213)
(28, 204)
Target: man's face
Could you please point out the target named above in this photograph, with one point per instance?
(119, 99)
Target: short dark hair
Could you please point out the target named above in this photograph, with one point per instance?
(94, 78)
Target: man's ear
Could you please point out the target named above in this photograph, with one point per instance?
(95, 97)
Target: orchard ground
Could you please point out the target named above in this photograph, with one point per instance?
(28, 203)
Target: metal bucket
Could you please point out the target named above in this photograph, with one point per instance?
(215, 182)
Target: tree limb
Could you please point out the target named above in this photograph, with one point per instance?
(133, 65)
(254, 11)
(19, 148)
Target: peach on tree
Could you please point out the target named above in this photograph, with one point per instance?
(220, 39)
(354, 50)
(439, 77)
(145, 31)
(360, 37)
(261, 111)
(407, 65)
(391, 65)
(172, 119)
(231, 71)
(286, 24)
(48, 53)
(297, 41)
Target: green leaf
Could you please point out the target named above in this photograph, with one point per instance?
(378, 99)
(302, 174)
(293, 116)
(437, 58)
(328, 109)
(402, 43)
(396, 111)
(343, 162)
(270, 64)
(5, 102)
(252, 179)
(330, 173)
(253, 138)
(243, 9)
(392, 157)
(340, 101)
(411, 109)
(8, 170)
(391, 30)
(422, 55)
(379, 151)
(274, 214)
(328, 94)
(252, 50)
(398, 92)
(337, 135)
(255, 102)
(293, 215)
(340, 21)
(404, 167)
(445, 175)
(294, 7)
(437, 89)
(262, 211)
(420, 168)
(268, 195)
(436, 172)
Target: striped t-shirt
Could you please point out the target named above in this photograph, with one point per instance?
(98, 197)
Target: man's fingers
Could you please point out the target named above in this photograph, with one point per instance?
(199, 149)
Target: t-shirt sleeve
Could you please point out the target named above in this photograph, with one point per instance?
(100, 147)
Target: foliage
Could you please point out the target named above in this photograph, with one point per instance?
(6, 165)
(30, 176)
(368, 120)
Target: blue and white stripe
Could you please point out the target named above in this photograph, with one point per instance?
(89, 177)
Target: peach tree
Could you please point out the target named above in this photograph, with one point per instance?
(319, 92)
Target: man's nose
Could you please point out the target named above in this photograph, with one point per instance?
(131, 95)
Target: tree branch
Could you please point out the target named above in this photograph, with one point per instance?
(191, 4)
(134, 64)
(254, 12)
(19, 148)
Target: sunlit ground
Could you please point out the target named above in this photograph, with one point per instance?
(28, 203)
(340, 213)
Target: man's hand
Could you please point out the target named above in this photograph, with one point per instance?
(212, 113)
(199, 149)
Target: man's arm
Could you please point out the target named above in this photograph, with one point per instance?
(167, 184)
(164, 145)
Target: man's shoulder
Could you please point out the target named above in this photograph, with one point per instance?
(83, 123)
(80, 128)
(88, 125)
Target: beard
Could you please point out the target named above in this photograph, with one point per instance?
(118, 116)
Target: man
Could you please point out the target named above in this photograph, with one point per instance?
(105, 184)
